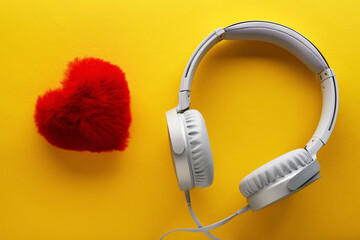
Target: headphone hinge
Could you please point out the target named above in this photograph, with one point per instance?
(314, 145)
(310, 172)
(184, 101)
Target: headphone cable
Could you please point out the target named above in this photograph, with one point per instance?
(196, 220)
(205, 229)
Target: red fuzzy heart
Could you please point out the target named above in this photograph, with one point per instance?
(90, 112)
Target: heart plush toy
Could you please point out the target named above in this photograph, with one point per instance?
(90, 112)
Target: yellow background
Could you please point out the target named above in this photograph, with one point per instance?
(265, 103)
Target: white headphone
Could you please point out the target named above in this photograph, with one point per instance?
(279, 178)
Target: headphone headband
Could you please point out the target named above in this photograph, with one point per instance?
(288, 39)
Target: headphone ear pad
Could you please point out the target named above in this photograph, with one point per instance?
(268, 174)
(199, 148)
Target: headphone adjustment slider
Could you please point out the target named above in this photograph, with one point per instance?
(326, 74)
(220, 33)
(184, 101)
(314, 145)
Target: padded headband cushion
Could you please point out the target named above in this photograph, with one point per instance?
(281, 36)
(274, 170)
(199, 147)
(274, 33)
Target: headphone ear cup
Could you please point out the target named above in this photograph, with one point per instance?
(199, 148)
(268, 174)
